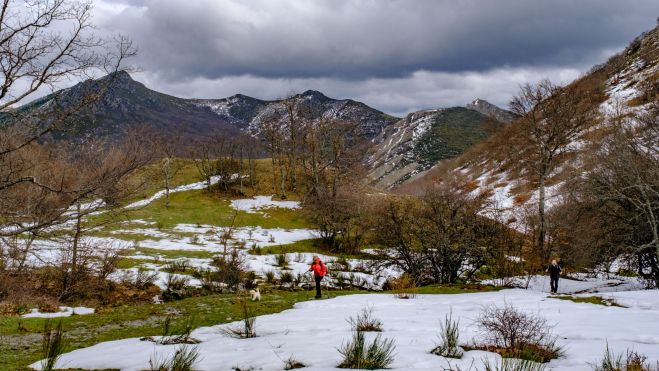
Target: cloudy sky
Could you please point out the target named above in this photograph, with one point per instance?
(395, 55)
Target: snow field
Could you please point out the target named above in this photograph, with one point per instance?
(313, 330)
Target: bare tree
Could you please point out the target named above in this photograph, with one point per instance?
(440, 238)
(104, 172)
(36, 55)
(625, 186)
(168, 146)
(551, 120)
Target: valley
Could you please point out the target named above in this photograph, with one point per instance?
(211, 208)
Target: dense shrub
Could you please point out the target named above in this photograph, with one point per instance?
(515, 334)
(404, 287)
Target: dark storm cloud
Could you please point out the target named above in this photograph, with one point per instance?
(365, 39)
(395, 55)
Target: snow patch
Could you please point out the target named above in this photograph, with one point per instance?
(64, 312)
(253, 205)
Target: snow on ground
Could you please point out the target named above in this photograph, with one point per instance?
(50, 252)
(208, 237)
(313, 330)
(576, 284)
(64, 312)
(162, 193)
(253, 205)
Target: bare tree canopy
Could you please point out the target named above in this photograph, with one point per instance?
(44, 43)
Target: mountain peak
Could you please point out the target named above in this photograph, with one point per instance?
(479, 102)
(314, 94)
(489, 109)
(118, 76)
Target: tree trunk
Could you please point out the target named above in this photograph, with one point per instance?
(541, 217)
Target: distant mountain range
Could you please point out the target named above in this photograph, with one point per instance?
(249, 114)
(126, 103)
(399, 148)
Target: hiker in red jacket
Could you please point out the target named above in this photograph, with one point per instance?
(319, 270)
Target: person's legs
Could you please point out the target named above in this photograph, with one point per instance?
(554, 284)
(551, 284)
(318, 279)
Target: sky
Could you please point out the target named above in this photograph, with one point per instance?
(395, 55)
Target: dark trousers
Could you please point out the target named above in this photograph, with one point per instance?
(553, 280)
(317, 279)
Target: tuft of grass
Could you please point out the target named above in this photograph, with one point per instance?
(183, 359)
(512, 364)
(449, 339)
(286, 277)
(282, 261)
(631, 361)
(177, 266)
(248, 319)
(170, 336)
(357, 354)
(292, 363)
(270, 276)
(52, 345)
(365, 321)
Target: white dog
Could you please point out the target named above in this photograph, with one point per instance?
(256, 295)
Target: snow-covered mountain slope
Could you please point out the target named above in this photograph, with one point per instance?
(628, 82)
(415, 143)
(250, 114)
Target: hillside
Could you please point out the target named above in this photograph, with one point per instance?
(626, 83)
(126, 103)
(415, 143)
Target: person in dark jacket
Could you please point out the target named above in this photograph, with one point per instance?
(554, 273)
(319, 270)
